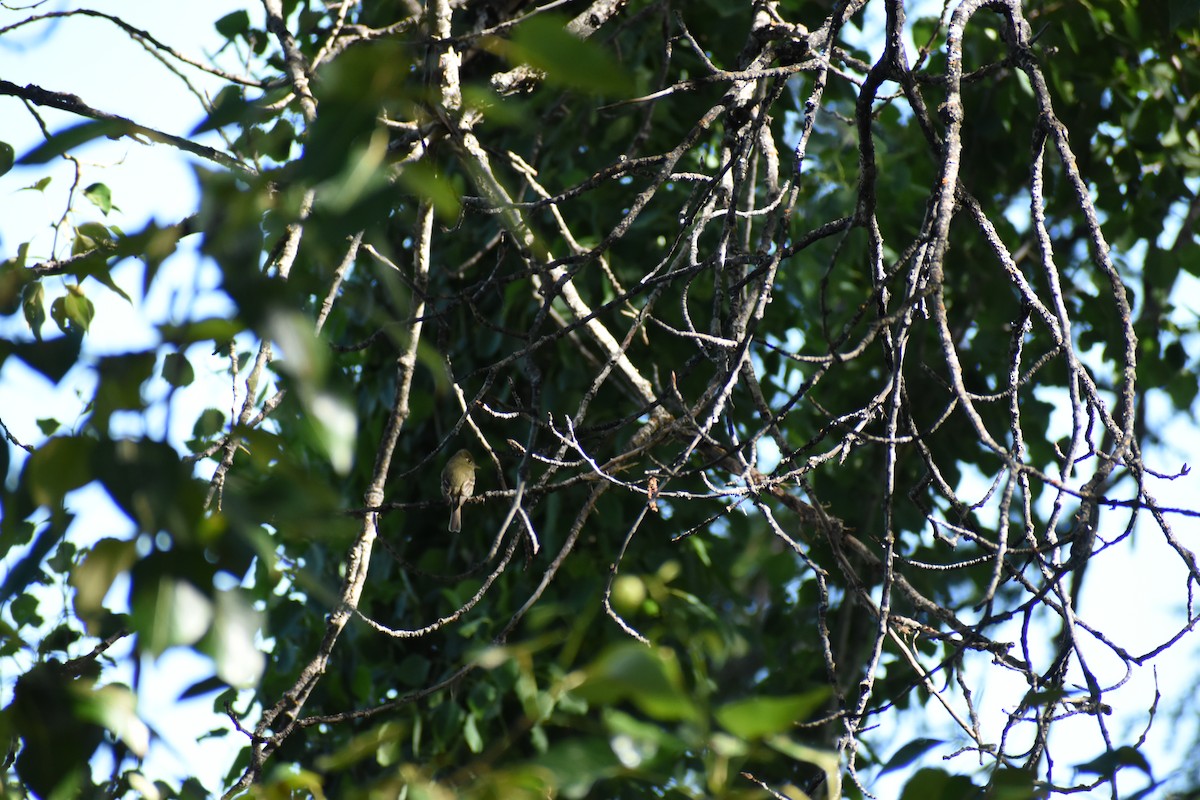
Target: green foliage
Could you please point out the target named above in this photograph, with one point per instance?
(101, 197)
(73, 137)
(544, 43)
(769, 438)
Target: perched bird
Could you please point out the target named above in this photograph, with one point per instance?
(458, 483)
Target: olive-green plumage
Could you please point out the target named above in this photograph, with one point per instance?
(458, 483)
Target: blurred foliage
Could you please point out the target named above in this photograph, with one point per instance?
(553, 699)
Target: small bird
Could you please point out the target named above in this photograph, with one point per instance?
(458, 483)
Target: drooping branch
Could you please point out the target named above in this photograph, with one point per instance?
(119, 126)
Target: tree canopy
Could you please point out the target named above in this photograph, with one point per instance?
(805, 350)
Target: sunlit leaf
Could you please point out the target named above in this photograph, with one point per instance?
(649, 678)
(232, 644)
(94, 576)
(337, 428)
(168, 611)
(115, 708)
(73, 312)
(423, 180)
(471, 735)
(89, 236)
(13, 280)
(756, 717)
(101, 197)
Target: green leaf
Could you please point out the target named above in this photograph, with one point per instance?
(826, 760)
(210, 422)
(304, 356)
(113, 707)
(1014, 784)
(471, 734)
(56, 743)
(60, 465)
(1108, 764)
(63, 558)
(231, 643)
(544, 43)
(60, 639)
(73, 312)
(215, 329)
(70, 138)
(13, 280)
(81, 311)
(578, 763)
(649, 677)
(637, 742)
(16, 534)
(101, 197)
(363, 177)
(102, 274)
(52, 358)
(923, 29)
(929, 783)
(230, 107)
(233, 25)
(276, 143)
(147, 480)
(177, 370)
(202, 687)
(168, 611)
(909, 753)
(33, 303)
(24, 610)
(121, 378)
(89, 236)
(423, 180)
(152, 245)
(94, 576)
(336, 426)
(756, 717)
